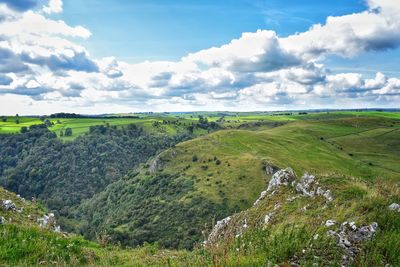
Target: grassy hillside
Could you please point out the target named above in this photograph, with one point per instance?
(225, 170)
(287, 228)
(24, 243)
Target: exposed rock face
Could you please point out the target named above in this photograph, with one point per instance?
(281, 177)
(394, 207)
(8, 205)
(261, 197)
(270, 169)
(348, 236)
(307, 186)
(156, 165)
(217, 231)
(49, 222)
(304, 186)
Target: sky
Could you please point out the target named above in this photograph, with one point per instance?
(114, 56)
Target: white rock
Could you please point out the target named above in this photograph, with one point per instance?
(281, 177)
(353, 226)
(262, 196)
(216, 231)
(267, 218)
(304, 186)
(330, 223)
(8, 205)
(394, 207)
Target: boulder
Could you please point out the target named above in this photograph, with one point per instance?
(304, 186)
(282, 177)
(330, 223)
(2, 220)
(348, 236)
(325, 193)
(8, 205)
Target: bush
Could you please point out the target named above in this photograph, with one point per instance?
(68, 132)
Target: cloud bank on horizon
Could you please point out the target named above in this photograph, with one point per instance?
(43, 70)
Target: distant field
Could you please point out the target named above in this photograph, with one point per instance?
(154, 122)
(81, 126)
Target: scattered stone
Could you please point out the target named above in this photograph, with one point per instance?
(330, 223)
(245, 224)
(291, 199)
(281, 177)
(8, 205)
(394, 207)
(325, 193)
(349, 236)
(305, 208)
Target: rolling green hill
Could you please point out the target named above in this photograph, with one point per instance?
(130, 186)
(185, 189)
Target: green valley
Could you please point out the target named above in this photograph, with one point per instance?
(132, 185)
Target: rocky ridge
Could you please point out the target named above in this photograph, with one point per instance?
(287, 186)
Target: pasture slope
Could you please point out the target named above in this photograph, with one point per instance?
(226, 169)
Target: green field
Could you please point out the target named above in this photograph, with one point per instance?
(80, 126)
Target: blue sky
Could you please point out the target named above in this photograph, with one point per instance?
(135, 31)
(103, 56)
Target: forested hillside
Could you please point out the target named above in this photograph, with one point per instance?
(37, 164)
(180, 193)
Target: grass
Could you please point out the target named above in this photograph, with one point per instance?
(81, 126)
(337, 147)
